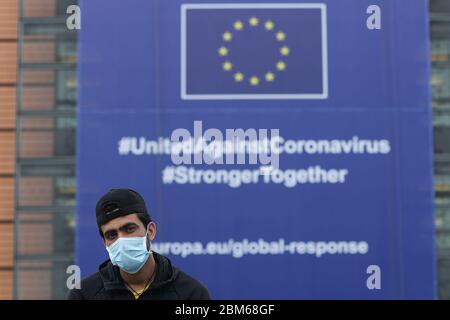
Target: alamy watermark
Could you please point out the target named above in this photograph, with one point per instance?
(374, 280)
(74, 278)
(236, 146)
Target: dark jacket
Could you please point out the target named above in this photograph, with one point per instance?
(169, 284)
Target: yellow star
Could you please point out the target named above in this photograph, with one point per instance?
(238, 25)
(253, 21)
(227, 66)
(280, 36)
(269, 25)
(227, 36)
(284, 51)
(238, 77)
(223, 51)
(270, 76)
(254, 81)
(281, 65)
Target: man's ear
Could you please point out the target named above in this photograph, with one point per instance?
(151, 230)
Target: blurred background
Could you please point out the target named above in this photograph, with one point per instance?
(38, 89)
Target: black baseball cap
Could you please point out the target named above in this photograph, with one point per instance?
(118, 203)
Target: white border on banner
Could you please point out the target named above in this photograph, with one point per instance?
(199, 6)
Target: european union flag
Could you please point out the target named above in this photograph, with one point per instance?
(253, 51)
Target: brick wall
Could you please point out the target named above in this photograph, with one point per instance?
(8, 81)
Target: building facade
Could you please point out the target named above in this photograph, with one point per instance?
(37, 138)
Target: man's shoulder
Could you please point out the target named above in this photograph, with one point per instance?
(89, 288)
(190, 288)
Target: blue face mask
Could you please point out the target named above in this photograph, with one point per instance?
(129, 254)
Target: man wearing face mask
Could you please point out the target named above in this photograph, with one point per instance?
(133, 271)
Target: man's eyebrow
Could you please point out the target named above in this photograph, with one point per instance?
(127, 225)
(123, 227)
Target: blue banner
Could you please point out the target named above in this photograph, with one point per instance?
(347, 214)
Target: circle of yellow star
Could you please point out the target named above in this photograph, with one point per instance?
(238, 25)
(269, 25)
(284, 51)
(227, 66)
(223, 51)
(281, 66)
(253, 21)
(227, 36)
(238, 77)
(280, 36)
(270, 77)
(254, 81)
